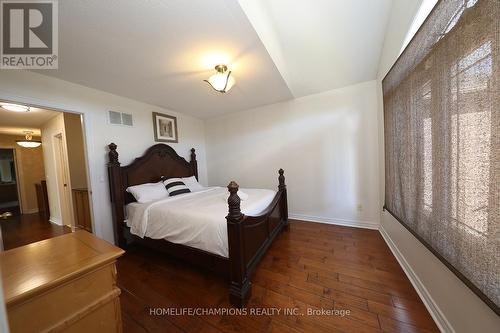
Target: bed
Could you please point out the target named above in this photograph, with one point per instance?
(212, 228)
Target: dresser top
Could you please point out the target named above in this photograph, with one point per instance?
(32, 269)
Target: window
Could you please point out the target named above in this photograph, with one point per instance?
(442, 140)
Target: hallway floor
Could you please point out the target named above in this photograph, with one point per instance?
(28, 228)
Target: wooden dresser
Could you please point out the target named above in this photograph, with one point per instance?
(62, 284)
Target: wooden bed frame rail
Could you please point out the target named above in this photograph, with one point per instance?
(249, 237)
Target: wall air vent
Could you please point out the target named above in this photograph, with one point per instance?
(120, 118)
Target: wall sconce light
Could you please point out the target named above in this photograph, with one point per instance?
(29, 142)
(221, 81)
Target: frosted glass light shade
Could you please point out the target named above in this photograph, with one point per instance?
(28, 144)
(221, 81)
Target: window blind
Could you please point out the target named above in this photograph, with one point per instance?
(442, 140)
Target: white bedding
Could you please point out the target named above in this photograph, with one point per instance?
(193, 219)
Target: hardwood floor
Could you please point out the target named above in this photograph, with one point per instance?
(28, 228)
(311, 266)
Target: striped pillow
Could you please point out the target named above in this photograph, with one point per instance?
(175, 186)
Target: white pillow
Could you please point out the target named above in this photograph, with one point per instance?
(148, 192)
(192, 184)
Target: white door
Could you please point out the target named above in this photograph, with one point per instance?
(63, 183)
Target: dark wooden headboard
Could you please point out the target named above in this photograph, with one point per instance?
(158, 161)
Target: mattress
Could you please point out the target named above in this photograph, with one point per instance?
(193, 219)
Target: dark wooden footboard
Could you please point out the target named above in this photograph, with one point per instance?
(250, 236)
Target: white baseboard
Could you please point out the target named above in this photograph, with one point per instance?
(438, 316)
(328, 220)
(55, 220)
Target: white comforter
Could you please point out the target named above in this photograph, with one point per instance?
(193, 219)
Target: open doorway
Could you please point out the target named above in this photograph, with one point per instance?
(9, 196)
(42, 157)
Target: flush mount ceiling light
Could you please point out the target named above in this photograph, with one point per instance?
(29, 142)
(15, 107)
(221, 81)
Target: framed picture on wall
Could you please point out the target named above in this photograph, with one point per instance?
(165, 128)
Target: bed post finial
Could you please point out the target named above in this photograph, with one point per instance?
(281, 180)
(113, 155)
(116, 195)
(194, 163)
(234, 202)
(284, 201)
(240, 289)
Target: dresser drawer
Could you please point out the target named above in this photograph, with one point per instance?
(69, 306)
(104, 319)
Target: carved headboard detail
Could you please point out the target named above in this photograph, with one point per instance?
(158, 161)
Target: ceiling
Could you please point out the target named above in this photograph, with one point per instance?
(160, 51)
(16, 123)
(321, 45)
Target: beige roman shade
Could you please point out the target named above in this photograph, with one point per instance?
(442, 140)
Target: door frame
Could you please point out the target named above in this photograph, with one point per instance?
(17, 168)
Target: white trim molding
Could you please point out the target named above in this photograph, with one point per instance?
(55, 220)
(329, 220)
(425, 296)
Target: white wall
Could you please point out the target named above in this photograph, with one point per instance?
(326, 143)
(402, 15)
(453, 305)
(34, 88)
